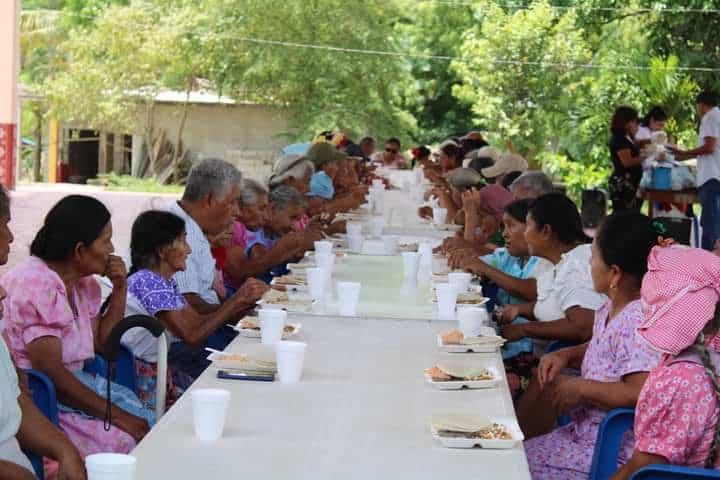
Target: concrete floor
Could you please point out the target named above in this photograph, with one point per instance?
(30, 204)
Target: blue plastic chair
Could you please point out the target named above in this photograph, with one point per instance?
(124, 373)
(44, 397)
(607, 448)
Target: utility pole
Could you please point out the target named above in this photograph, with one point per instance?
(9, 71)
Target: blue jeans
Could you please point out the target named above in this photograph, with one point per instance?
(710, 218)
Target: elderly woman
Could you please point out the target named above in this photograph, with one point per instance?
(531, 184)
(254, 212)
(159, 249)
(566, 302)
(54, 323)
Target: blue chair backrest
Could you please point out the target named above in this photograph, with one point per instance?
(125, 373)
(44, 397)
(673, 472)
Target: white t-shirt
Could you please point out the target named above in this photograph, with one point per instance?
(568, 284)
(10, 413)
(708, 166)
(643, 133)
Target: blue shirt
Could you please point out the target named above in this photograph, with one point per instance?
(513, 266)
(261, 238)
(321, 185)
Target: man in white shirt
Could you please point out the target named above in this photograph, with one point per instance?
(708, 166)
(208, 206)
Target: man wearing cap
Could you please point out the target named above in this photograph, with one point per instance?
(494, 197)
(325, 158)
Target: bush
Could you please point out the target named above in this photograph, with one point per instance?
(576, 176)
(128, 183)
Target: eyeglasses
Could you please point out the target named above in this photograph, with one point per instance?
(391, 150)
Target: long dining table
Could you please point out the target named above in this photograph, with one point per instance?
(362, 409)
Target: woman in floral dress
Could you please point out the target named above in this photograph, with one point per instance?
(614, 363)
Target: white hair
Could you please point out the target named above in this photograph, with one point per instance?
(287, 166)
(284, 196)
(211, 176)
(535, 181)
(250, 191)
(462, 178)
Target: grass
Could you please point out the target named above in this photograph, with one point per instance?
(127, 183)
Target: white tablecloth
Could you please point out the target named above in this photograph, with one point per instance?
(361, 412)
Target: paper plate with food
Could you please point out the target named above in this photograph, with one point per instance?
(448, 376)
(470, 298)
(455, 342)
(262, 363)
(457, 430)
(250, 327)
(274, 299)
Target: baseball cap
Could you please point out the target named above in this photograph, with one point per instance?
(322, 153)
(508, 162)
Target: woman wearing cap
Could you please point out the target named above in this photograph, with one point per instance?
(678, 411)
(614, 364)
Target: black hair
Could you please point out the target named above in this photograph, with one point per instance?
(625, 239)
(708, 98)
(422, 151)
(151, 231)
(480, 163)
(366, 140)
(561, 215)
(4, 201)
(393, 140)
(509, 178)
(655, 113)
(74, 219)
(519, 209)
(452, 150)
(620, 119)
(467, 145)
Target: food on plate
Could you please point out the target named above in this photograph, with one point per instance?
(408, 247)
(233, 357)
(453, 373)
(469, 426)
(456, 337)
(274, 297)
(453, 337)
(246, 324)
(290, 280)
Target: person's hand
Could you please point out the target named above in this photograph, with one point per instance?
(425, 212)
(513, 333)
(567, 392)
(550, 367)
(134, 426)
(470, 202)
(250, 292)
(291, 241)
(461, 258)
(339, 226)
(72, 466)
(115, 271)
(716, 249)
(507, 314)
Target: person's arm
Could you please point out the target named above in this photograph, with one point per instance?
(13, 471)
(627, 159)
(519, 287)
(46, 355)
(575, 327)
(200, 305)
(115, 310)
(706, 148)
(38, 435)
(615, 394)
(194, 328)
(636, 462)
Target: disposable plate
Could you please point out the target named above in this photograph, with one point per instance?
(460, 442)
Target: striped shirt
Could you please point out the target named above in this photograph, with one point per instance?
(199, 273)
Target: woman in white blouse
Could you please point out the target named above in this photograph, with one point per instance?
(566, 301)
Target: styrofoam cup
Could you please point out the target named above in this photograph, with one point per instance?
(209, 411)
(377, 183)
(376, 225)
(439, 216)
(354, 229)
(272, 323)
(390, 244)
(323, 246)
(290, 358)
(411, 263)
(446, 300)
(110, 466)
(348, 298)
(426, 254)
(355, 243)
(326, 261)
(471, 320)
(378, 201)
(316, 282)
(461, 280)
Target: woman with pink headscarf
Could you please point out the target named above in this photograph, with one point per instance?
(677, 413)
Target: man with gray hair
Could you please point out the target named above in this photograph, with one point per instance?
(531, 184)
(208, 207)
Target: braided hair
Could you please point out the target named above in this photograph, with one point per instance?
(702, 351)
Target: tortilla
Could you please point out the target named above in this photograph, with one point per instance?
(464, 371)
(460, 422)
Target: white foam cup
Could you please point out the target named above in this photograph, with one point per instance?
(272, 323)
(316, 282)
(471, 320)
(461, 280)
(390, 244)
(348, 298)
(426, 254)
(323, 246)
(411, 263)
(376, 225)
(439, 215)
(354, 229)
(209, 411)
(355, 243)
(290, 358)
(110, 466)
(447, 299)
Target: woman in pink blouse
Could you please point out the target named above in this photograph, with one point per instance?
(53, 322)
(678, 411)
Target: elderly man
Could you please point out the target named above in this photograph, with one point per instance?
(531, 184)
(209, 207)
